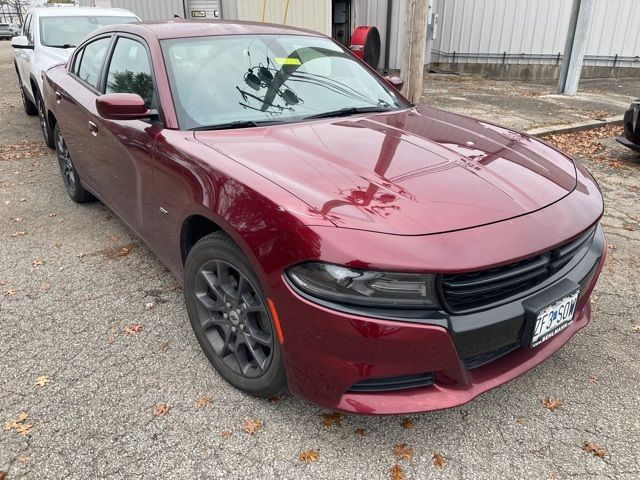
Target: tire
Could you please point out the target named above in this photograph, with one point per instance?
(29, 107)
(632, 135)
(70, 176)
(44, 123)
(229, 315)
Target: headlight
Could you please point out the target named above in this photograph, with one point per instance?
(364, 287)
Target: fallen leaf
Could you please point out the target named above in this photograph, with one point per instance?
(160, 409)
(552, 403)
(57, 245)
(45, 286)
(18, 425)
(274, 399)
(124, 251)
(203, 402)
(150, 306)
(22, 200)
(309, 456)
(408, 424)
(19, 234)
(9, 293)
(252, 426)
(521, 421)
(332, 418)
(438, 460)
(397, 473)
(38, 262)
(24, 459)
(3, 475)
(225, 434)
(361, 431)
(3, 282)
(635, 328)
(402, 451)
(80, 255)
(113, 238)
(133, 328)
(594, 448)
(17, 219)
(42, 380)
(593, 378)
(51, 215)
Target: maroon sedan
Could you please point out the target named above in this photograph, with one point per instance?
(371, 255)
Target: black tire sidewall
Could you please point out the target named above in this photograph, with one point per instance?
(79, 195)
(220, 246)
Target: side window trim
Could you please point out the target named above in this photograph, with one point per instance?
(80, 53)
(107, 65)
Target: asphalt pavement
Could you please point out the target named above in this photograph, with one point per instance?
(101, 376)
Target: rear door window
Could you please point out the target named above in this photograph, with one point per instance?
(92, 60)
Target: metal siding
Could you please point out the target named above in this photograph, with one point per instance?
(311, 14)
(374, 13)
(536, 28)
(147, 9)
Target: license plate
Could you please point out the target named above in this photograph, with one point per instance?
(554, 318)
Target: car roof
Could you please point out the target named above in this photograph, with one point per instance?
(179, 28)
(81, 12)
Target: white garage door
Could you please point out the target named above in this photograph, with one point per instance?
(209, 9)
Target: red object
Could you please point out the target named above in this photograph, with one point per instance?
(121, 106)
(415, 190)
(365, 44)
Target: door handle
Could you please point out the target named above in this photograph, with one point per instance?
(93, 128)
(58, 97)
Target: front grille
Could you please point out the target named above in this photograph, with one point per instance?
(393, 383)
(468, 292)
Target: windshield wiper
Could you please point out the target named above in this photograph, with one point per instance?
(238, 124)
(66, 45)
(345, 112)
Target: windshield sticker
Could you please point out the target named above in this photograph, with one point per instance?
(288, 61)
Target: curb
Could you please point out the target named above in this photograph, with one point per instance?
(576, 127)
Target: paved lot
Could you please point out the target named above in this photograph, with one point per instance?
(77, 279)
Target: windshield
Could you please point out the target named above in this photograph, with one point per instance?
(69, 31)
(246, 79)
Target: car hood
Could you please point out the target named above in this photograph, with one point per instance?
(53, 56)
(411, 172)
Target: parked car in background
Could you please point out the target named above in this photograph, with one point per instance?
(48, 38)
(376, 256)
(631, 136)
(6, 31)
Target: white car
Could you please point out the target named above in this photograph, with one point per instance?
(48, 37)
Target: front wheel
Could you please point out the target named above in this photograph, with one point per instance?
(44, 124)
(230, 318)
(70, 176)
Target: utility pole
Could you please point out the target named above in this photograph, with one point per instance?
(413, 48)
(576, 46)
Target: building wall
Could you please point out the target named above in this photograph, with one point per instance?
(534, 32)
(311, 14)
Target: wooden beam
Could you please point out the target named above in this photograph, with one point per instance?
(413, 48)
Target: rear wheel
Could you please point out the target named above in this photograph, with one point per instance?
(70, 176)
(230, 318)
(44, 124)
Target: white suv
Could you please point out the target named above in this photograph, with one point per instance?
(49, 35)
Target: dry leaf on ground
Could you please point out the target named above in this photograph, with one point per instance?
(160, 409)
(402, 451)
(252, 426)
(635, 328)
(203, 401)
(397, 473)
(309, 456)
(3, 475)
(133, 328)
(38, 262)
(42, 380)
(150, 306)
(552, 403)
(438, 460)
(407, 423)
(361, 431)
(332, 418)
(124, 251)
(594, 448)
(18, 234)
(521, 421)
(9, 292)
(18, 425)
(45, 286)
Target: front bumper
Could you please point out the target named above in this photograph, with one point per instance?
(330, 351)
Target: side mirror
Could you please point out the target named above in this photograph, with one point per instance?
(122, 106)
(395, 81)
(21, 42)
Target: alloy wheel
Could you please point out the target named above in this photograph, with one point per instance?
(43, 119)
(65, 163)
(234, 318)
